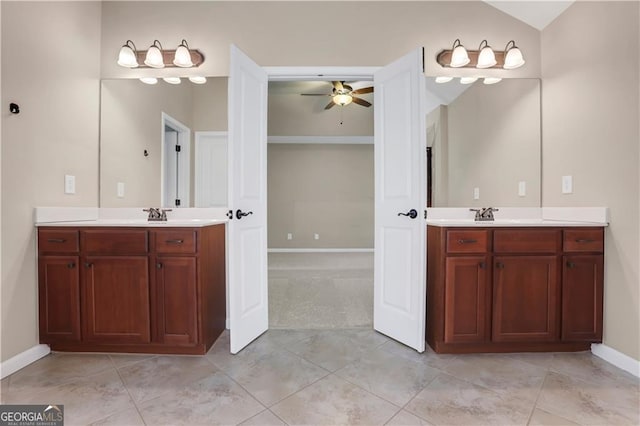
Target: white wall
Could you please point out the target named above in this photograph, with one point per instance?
(590, 107)
(51, 68)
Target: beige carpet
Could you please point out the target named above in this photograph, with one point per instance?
(320, 290)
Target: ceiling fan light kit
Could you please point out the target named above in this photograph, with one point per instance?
(343, 94)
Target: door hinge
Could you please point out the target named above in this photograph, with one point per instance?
(178, 148)
(177, 202)
(425, 213)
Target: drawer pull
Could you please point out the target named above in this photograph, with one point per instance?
(570, 265)
(174, 241)
(88, 265)
(481, 265)
(71, 265)
(56, 240)
(584, 240)
(467, 241)
(499, 265)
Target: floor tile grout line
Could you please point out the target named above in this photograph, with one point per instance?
(535, 403)
(135, 404)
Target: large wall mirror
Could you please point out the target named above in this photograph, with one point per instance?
(485, 143)
(163, 144)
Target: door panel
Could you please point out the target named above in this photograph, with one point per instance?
(400, 186)
(247, 248)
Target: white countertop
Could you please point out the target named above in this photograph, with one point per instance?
(509, 223)
(178, 223)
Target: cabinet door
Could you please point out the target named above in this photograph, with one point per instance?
(526, 298)
(176, 301)
(115, 299)
(582, 288)
(467, 300)
(59, 299)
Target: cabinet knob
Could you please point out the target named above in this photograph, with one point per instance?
(88, 265)
(159, 265)
(499, 265)
(71, 265)
(570, 264)
(482, 265)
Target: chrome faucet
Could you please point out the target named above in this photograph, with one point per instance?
(156, 214)
(484, 214)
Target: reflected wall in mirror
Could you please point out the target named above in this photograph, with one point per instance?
(485, 142)
(140, 126)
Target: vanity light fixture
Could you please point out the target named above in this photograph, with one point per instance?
(172, 80)
(459, 55)
(197, 79)
(491, 80)
(468, 80)
(342, 99)
(486, 57)
(443, 79)
(128, 56)
(512, 57)
(182, 56)
(154, 57)
(149, 80)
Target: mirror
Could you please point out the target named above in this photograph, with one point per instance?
(140, 126)
(481, 136)
(485, 143)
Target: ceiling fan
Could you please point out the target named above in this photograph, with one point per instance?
(343, 94)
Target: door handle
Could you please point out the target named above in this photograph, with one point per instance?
(413, 213)
(240, 214)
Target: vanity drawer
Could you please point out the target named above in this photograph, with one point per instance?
(174, 241)
(526, 240)
(583, 240)
(110, 241)
(58, 241)
(467, 241)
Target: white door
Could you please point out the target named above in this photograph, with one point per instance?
(400, 200)
(211, 169)
(247, 240)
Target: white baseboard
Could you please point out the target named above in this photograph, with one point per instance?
(320, 250)
(616, 358)
(23, 359)
(226, 324)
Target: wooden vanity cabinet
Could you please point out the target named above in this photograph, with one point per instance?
(154, 290)
(514, 289)
(59, 286)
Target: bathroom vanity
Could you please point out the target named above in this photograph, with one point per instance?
(511, 287)
(131, 287)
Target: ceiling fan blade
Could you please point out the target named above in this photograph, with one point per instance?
(361, 102)
(347, 88)
(329, 105)
(362, 91)
(338, 85)
(315, 94)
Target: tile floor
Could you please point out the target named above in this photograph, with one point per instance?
(329, 377)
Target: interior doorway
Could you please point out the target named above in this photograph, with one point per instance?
(176, 163)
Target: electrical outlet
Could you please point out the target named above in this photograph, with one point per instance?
(522, 188)
(289, 236)
(69, 184)
(476, 193)
(120, 189)
(567, 184)
(316, 236)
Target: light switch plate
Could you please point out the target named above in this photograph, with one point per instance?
(289, 236)
(567, 184)
(476, 193)
(69, 184)
(316, 236)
